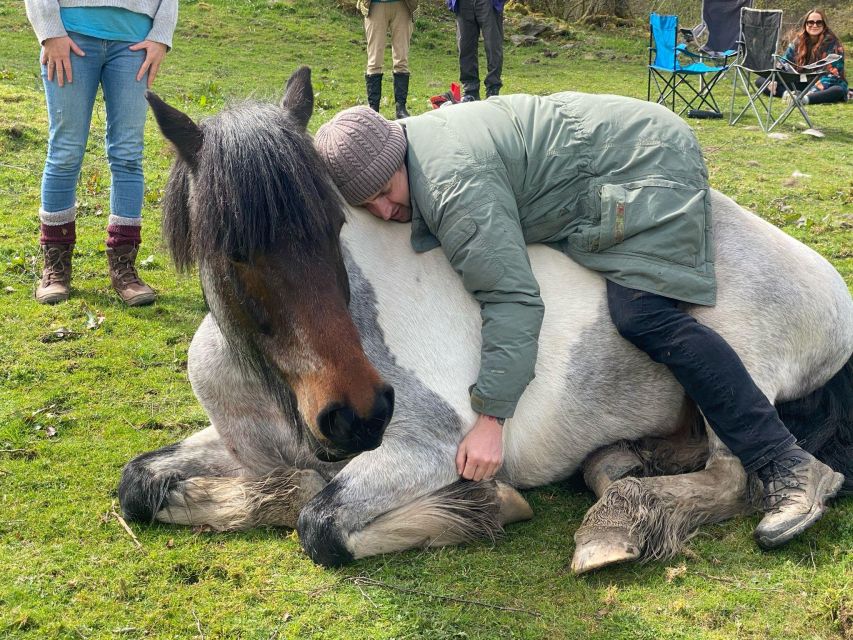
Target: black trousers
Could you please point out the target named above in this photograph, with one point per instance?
(835, 93)
(474, 17)
(710, 371)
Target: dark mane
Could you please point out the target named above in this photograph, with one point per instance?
(257, 184)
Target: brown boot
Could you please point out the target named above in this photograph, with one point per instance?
(56, 277)
(124, 278)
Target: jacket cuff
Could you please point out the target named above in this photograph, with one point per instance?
(492, 407)
(164, 24)
(48, 25)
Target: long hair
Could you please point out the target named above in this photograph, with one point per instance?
(806, 50)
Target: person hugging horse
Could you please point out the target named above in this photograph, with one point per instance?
(621, 187)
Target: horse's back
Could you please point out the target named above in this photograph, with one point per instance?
(784, 309)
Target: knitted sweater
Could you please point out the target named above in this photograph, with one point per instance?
(46, 22)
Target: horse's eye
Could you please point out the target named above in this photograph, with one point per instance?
(257, 313)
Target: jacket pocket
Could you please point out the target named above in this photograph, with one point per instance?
(471, 256)
(652, 216)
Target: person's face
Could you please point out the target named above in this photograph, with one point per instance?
(814, 24)
(392, 202)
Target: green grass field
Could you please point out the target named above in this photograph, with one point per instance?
(88, 384)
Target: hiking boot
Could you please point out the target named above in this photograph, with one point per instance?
(55, 282)
(796, 485)
(124, 278)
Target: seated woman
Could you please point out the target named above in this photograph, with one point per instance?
(815, 41)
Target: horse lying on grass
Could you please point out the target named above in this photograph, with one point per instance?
(323, 321)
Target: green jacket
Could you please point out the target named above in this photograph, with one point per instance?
(364, 6)
(617, 184)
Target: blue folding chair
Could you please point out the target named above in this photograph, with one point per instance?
(692, 83)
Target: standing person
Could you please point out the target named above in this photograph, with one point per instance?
(484, 181)
(814, 41)
(472, 18)
(118, 45)
(379, 17)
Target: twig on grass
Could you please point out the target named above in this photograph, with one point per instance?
(737, 583)
(115, 514)
(371, 582)
(198, 624)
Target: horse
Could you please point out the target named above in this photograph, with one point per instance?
(334, 365)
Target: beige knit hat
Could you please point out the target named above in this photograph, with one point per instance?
(361, 150)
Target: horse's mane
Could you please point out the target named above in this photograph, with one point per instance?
(257, 184)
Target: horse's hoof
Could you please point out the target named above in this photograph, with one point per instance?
(597, 548)
(512, 506)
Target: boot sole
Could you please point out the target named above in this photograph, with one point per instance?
(829, 487)
(141, 300)
(52, 298)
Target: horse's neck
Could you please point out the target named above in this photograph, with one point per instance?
(429, 323)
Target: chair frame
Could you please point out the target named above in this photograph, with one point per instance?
(668, 87)
(778, 74)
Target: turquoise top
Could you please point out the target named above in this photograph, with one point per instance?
(107, 23)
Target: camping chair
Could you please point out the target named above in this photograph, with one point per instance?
(757, 45)
(672, 79)
(717, 34)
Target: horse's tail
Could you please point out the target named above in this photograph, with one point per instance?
(823, 423)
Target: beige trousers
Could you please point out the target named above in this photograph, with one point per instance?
(382, 16)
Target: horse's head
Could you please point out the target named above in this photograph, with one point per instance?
(249, 201)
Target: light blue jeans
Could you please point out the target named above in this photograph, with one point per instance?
(111, 65)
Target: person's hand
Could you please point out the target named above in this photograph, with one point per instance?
(154, 54)
(56, 54)
(480, 453)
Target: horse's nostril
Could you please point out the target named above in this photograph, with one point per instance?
(336, 424)
(383, 409)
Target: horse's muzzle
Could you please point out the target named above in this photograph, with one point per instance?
(350, 433)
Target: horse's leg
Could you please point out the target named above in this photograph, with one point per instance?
(199, 482)
(609, 464)
(404, 495)
(651, 517)
(461, 512)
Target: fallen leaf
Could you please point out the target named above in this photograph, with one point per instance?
(9, 289)
(50, 432)
(62, 333)
(675, 572)
(170, 544)
(149, 261)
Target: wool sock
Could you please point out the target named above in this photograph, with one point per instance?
(122, 231)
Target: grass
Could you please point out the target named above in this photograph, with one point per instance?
(77, 402)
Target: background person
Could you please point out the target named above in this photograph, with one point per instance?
(119, 46)
(472, 18)
(484, 181)
(815, 41)
(379, 17)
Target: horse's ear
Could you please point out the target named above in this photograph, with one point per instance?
(299, 96)
(177, 127)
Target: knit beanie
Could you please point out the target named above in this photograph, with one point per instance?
(361, 150)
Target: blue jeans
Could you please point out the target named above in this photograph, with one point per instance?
(113, 66)
(710, 371)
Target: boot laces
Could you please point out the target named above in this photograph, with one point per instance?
(54, 265)
(781, 483)
(125, 270)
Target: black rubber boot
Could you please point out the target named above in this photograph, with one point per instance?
(401, 94)
(796, 486)
(374, 90)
